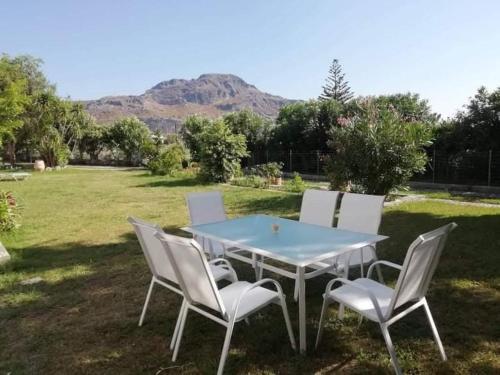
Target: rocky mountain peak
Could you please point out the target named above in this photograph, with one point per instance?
(169, 102)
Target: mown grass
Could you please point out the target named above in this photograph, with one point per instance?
(83, 317)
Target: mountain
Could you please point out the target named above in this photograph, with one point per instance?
(165, 105)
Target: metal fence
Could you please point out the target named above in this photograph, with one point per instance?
(468, 168)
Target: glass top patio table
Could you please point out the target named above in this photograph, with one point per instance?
(296, 243)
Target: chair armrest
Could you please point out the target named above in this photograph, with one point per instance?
(353, 284)
(257, 284)
(225, 264)
(383, 262)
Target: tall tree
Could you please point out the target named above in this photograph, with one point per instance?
(336, 87)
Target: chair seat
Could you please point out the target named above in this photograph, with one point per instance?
(357, 300)
(220, 273)
(341, 260)
(254, 300)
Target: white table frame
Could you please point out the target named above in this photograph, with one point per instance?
(300, 274)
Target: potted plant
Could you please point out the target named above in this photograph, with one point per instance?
(272, 171)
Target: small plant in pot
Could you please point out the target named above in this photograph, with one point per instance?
(272, 172)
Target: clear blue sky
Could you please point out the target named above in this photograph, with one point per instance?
(442, 49)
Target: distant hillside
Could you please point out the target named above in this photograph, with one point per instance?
(165, 105)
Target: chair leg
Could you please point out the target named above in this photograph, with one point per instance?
(321, 322)
(288, 323)
(296, 289)
(146, 303)
(390, 348)
(180, 332)
(225, 348)
(177, 324)
(377, 267)
(261, 268)
(435, 331)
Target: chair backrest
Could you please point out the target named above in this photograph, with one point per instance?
(155, 255)
(206, 207)
(419, 266)
(193, 272)
(318, 207)
(361, 212)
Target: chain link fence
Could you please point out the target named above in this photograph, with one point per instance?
(468, 168)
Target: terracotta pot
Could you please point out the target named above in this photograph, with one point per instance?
(275, 181)
(39, 165)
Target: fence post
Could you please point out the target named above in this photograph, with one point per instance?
(489, 167)
(434, 165)
(290, 165)
(317, 162)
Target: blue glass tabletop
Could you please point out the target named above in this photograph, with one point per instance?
(290, 241)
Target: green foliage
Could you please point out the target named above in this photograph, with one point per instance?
(129, 135)
(251, 181)
(336, 87)
(93, 140)
(295, 184)
(410, 107)
(268, 170)
(13, 98)
(476, 128)
(377, 149)
(168, 160)
(220, 152)
(255, 128)
(305, 126)
(8, 211)
(191, 130)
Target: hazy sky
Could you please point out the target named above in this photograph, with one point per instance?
(443, 50)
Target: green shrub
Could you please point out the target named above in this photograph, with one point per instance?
(62, 155)
(251, 181)
(376, 150)
(168, 160)
(8, 211)
(269, 170)
(220, 152)
(296, 184)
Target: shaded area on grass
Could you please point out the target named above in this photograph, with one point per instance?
(83, 318)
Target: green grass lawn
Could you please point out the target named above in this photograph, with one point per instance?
(83, 317)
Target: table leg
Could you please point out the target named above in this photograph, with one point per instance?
(302, 308)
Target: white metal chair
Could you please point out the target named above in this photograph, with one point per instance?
(231, 304)
(161, 268)
(318, 208)
(384, 305)
(359, 213)
(207, 207)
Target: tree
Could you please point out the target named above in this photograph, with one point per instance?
(476, 128)
(93, 141)
(129, 135)
(376, 150)
(336, 87)
(13, 99)
(221, 152)
(192, 128)
(255, 128)
(305, 126)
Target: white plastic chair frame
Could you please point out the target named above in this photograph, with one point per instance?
(410, 289)
(211, 298)
(162, 272)
(318, 208)
(208, 207)
(360, 213)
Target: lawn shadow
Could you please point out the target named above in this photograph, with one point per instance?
(171, 182)
(93, 313)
